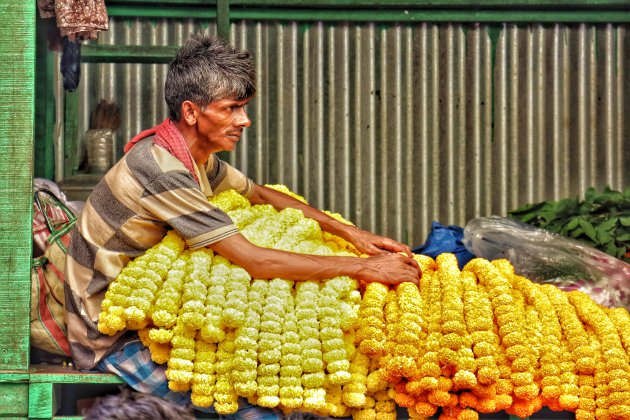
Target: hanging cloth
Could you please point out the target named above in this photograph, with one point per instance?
(77, 19)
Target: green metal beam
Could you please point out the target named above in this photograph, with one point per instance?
(413, 4)
(481, 16)
(390, 15)
(94, 53)
(164, 11)
(223, 19)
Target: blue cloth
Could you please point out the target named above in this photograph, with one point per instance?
(134, 366)
(443, 239)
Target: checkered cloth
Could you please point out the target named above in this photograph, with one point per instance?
(134, 366)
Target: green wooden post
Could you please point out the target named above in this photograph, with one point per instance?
(43, 400)
(17, 90)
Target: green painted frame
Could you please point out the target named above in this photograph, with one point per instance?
(17, 89)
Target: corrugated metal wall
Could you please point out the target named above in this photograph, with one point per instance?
(397, 126)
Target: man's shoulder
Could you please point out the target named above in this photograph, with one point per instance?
(147, 155)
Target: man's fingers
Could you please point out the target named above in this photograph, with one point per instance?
(408, 251)
(394, 246)
(375, 250)
(413, 263)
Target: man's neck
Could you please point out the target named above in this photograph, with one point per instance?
(199, 154)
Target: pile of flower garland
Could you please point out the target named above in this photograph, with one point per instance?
(474, 341)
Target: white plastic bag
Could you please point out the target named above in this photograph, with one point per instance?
(543, 256)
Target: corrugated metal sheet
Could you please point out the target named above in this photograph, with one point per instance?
(397, 126)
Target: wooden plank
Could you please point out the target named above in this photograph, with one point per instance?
(64, 375)
(13, 377)
(41, 401)
(13, 400)
(17, 67)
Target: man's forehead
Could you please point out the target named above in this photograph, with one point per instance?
(232, 101)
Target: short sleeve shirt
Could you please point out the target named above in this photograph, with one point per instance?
(145, 194)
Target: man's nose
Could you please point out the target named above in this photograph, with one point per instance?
(242, 120)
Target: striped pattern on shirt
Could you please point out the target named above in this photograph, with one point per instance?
(144, 195)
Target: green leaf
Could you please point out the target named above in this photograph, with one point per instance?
(568, 205)
(527, 208)
(608, 225)
(623, 238)
(589, 230)
(625, 221)
(590, 195)
(577, 232)
(573, 223)
(603, 237)
(527, 217)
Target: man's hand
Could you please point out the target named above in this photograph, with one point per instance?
(388, 269)
(264, 263)
(368, 243)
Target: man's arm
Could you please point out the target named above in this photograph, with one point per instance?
(365, 242)
(267, 263)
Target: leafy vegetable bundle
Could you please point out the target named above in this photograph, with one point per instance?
(600, 220)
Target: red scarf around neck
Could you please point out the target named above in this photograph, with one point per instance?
(168, 137)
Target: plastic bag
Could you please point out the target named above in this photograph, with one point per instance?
(55, 215)
(546, 257)
(445, 239)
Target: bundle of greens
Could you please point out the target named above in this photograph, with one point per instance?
(600, 220)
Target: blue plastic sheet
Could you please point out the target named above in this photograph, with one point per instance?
(443, 239)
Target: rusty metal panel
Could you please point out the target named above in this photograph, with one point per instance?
(395, 126)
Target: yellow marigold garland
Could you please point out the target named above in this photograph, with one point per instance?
(614, 359)
(313, 377)
(331, 334)
(621, 320)
(420, 348)
(576, 341)
(270, 343)
(204, 375)
(371, 329)
(225, 397)
(291, 390)
(129, 297)
(245, 370)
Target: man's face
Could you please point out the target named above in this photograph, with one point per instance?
(221, 124)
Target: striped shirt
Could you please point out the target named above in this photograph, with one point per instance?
(145, 194)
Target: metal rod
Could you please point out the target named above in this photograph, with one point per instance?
(455, 4)
(223, 19)
(542, 15)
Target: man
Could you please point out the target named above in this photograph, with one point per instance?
(163, 182)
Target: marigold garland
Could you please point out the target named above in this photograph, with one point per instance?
(465, 342)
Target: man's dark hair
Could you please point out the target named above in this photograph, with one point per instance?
(134, 405)
(207, 69)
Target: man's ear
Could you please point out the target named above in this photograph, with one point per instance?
(189, 112)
